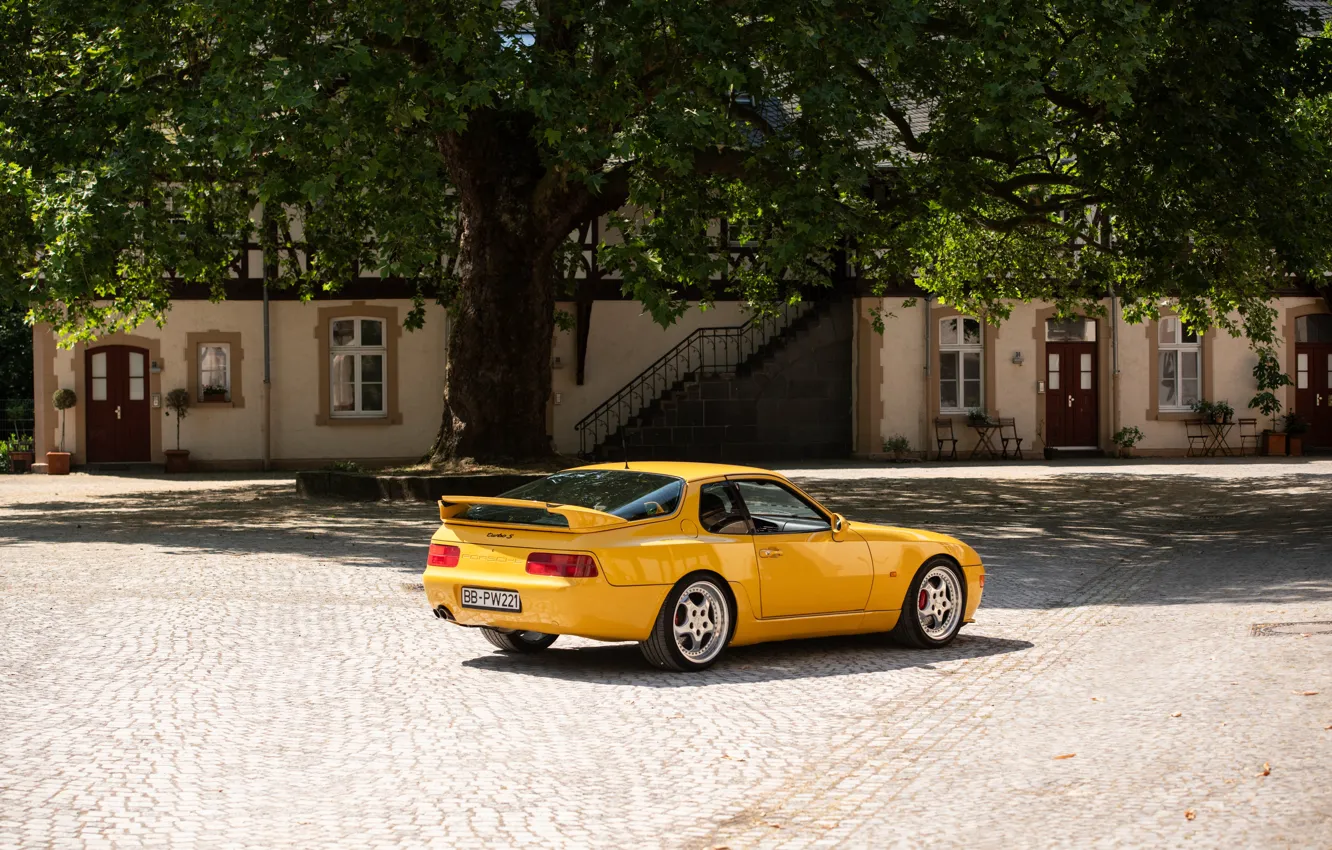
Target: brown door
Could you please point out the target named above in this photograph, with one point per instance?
(1070, 394)
(1313, 391)
(116, 389)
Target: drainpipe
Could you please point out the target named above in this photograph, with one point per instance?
(1114, 360)
(925, 385)
(268, 388)
(270, 270)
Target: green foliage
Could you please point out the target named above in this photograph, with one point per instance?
(994, 150)
(1268, 376)
(15, 350)
(344, 466)
(897, 445)
(1294, 424)
(1213, 411)
(1128, 436)
(978, 416)
(178, 402)
(63, 399)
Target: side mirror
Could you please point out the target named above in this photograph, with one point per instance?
(838, 526)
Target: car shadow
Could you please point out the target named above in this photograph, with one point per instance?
(815, 658)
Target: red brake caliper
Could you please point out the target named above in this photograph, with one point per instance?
(924, 599)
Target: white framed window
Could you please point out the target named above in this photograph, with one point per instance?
(358, 358)
(1179, 366)
(960, 365)
(214, 371)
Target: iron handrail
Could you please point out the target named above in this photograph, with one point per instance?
(705, 352)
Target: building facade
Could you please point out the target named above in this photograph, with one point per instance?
(348, 382)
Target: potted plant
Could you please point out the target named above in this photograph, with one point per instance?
(1215, 412)
(978, 416)
(20, 453)
(1269, 377)
(1126, 438)
(898, 446)
(177, 459)
(212, 393)
(1294, 426)
(57, 463)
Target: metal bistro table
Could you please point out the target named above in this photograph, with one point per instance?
(1218, 444)
(985, 441)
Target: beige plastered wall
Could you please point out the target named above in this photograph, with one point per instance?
(909, 404)
(223, 436)
(622, 341)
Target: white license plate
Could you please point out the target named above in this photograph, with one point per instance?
(491, 599)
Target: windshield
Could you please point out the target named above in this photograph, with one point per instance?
(621, 492)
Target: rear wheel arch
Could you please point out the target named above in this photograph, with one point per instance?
(659, 648)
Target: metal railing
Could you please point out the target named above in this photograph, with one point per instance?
(16, 417)
(705, 352)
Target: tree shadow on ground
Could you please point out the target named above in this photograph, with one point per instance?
(813, 658)
(1220, 540)
(264, 518)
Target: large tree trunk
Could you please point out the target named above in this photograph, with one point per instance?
(499, 351)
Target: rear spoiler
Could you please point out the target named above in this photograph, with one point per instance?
(579, 518)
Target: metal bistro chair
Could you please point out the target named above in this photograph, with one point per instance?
(943, 433)
(1248, 429)
(1198, 437)
(1008, 434)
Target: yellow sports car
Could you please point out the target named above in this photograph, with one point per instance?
(687, 558)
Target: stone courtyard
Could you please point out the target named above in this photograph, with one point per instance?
(209, 662)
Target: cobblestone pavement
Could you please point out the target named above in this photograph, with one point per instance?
(210, 663)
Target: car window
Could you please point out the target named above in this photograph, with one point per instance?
(775, 508)
(719, 512)
(624, 493)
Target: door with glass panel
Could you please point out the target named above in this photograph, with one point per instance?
(1313, 378)
(1070, 383)
(116, 411)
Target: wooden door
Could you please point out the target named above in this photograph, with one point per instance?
(1070, 394)
(117, 409)
(1313, 391)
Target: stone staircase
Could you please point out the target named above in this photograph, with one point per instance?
(787, 399)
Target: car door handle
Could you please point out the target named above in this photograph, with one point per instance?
(770, 553)
(117, 411)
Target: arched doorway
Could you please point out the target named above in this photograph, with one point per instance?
(1313, 377)
(117, 411)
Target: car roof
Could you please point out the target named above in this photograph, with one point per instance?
(682, 469)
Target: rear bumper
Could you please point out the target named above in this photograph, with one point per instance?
(587, 607)
(975, 589)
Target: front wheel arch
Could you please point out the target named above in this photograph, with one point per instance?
(908, 630)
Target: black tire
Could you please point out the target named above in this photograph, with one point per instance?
(703, 600)
(909, 630)
(526, 642)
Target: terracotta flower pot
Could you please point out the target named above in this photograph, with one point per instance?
(57, 463)
(177, 461)
(1126, 451)
(1274, 444)
(21, 461)
(1294, 445)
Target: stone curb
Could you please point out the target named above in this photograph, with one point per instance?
(368, 487)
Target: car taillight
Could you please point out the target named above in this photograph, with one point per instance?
(442, 555)
(564, 566)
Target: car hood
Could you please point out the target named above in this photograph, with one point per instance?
(965, 555)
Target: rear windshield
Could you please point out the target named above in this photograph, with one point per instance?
(622, 492)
